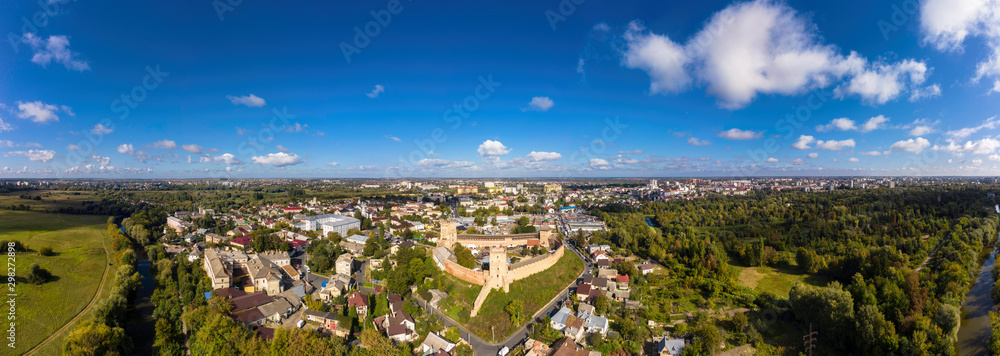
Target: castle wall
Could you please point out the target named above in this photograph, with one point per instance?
(536, 266)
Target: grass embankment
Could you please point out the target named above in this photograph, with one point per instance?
(534, 292)
(77, 266)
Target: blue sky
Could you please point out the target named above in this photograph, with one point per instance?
(499, 89)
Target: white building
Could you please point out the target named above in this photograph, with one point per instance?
(329, 223)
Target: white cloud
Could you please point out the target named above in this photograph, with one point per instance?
(875, 123)
(762, 47)
(693, 141)
(989, 124)
(882, 82)
(54, 49)
(394, 138)
(282, 148)
(126, 148)
(658, 56)
(99, 129)
(982, 147)
(38, 111)
(803, 142)
(852, 159)
(772, 160)
(925, 92)
(248, 100)
(165, 144)
(74, 147)
(192, 148)
(871, 153)
(280, 159)
(33, 155)
(916, 145)
(842, 124)
(227, 158)
(4, 126)
(996, 87)
(798, 161)
(921, 130)
(333, 164)
(813, 155)
(737, 134)
(540, 104)
(947, 23)
(492, 150)
(379, 89)
(434, 163)
(102, 161)
(598, 163)
(834, 145)
(544, 156)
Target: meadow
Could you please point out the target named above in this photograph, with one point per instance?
(78, 267)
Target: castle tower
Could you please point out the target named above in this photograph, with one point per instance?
(544, 235)
(449, 235)
(499, 268)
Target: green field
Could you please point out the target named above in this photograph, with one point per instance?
(534, 292)
(78, 266)
(50, 200)
(778, 281)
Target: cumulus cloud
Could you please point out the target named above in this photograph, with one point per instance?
(772, 160)
(842, 124)
(693, 141)
(126, 148)
(947, 23)
(989, 124)
(33, 155)
(192, 148)
(803, 142)
(737, 134)
(54, 49)
(165, 144)
(4, 126)
(99, 129)
(872, 153)
(916, 145)
(852, 159)
(598, 163)
(875, 123)
(996, 87)
(921, 130)
(982, 147)
(74, 147)
(39, 112)
(379, 89)
(225, 158)
(834, 145)
(544, 156)
(813, 155)
(540, 104)
(280, 159)
(248, 100)
(762, 47)
(491, 151)
(333, 164)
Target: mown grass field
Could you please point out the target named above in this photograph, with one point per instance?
(776, 280)
(78, 266)
(534, 292)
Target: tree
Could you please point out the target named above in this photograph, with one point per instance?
(92, 338)
(463, 350)
(464, 256)
(371, 247)
(876, 336)
(602, 304)
(515, 308)
(38, 275)
(45, 251)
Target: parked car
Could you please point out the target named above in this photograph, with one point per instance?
(504, 351)
(300, 324)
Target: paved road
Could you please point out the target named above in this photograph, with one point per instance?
(482, 347)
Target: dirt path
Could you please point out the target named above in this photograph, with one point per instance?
(82, 313)
(929, 257)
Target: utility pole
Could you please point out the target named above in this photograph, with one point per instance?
(810, 339)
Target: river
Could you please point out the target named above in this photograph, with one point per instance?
(974, 332)
(141, 324)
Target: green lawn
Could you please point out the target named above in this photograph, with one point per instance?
(50, 199)
(533, 292)
(78, 267)
(776, 280)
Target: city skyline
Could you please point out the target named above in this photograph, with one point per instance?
(395, 89)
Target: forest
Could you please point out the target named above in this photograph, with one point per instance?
(870, 244)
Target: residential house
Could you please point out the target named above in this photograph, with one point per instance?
(359, 302)
(646, 268)
(345, 264)
(670, 347)
(434, 344)
(265, 275)
(218, 272)
(276, 310)
(327, 320)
